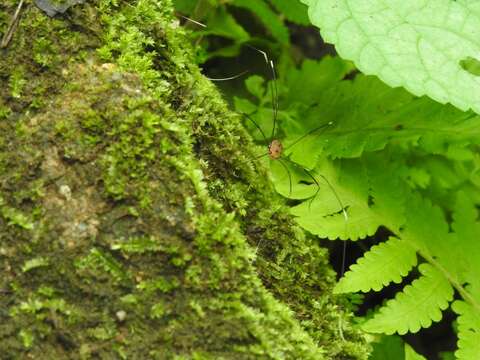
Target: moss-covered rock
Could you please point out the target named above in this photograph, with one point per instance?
(133, 223)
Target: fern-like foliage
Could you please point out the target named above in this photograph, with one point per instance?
(371, 198)
(416, 306)
(468, 331)
(389, 160)
(427, 233)
(382, 264)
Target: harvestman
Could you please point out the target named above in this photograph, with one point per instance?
(275, 146)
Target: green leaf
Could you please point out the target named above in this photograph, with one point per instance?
(367, 115)
(416, 306)
(420, 45)
(34, 263)
(268, 17)
(185, 6)
(222, 23)
(411, 354)
(427, 230)
(14, 217)
(363, 115)
(446, 355)
(256, 86)
(388, 348)
(293, 10)
(370, 197)
(468, 331)
(471, 65)
(382, 264)
(314, 77)
(467, 228)
(340, 184)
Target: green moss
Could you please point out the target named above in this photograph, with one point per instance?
(14, 216)
(34, 263)
(4, 111)
(17, 82)
(42, 306)
(26, 337)
(128, 159)
(44, 52)
(98, 263)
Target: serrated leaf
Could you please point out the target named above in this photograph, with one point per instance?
(256, 86)
(415, 44)
(382, 264)
(360, 115)
(427, 230)
(370, 197)
(467, 227)
(323, 216)
(416, 306)
(468, 331)
(314, 77)
(366, 115)
(222, 23)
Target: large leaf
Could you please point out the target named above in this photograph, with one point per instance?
(366, 115)
(429, 47)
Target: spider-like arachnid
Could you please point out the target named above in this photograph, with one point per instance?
(276, 150)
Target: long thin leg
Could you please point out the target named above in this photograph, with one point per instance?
(323, 126)
(344, 255)
(261, 132)
(316, 192)
(192, 20)
(273, 88)
(289, 177)
(228, 78)
(344, 212)
(274, 98)
(257, 126)
(345, 215)
(310, 176)
(260, 156)
(255, 158)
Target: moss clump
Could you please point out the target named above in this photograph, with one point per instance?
(128, 206)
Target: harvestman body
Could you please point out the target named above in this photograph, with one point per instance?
(275, 149)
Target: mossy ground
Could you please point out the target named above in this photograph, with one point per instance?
(133, 223)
